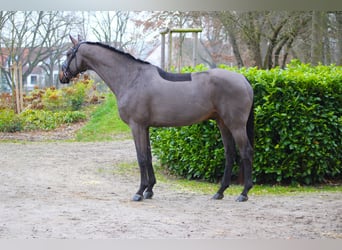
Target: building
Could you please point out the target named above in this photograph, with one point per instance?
(37, 76)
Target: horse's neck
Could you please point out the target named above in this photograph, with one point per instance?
(116, 70)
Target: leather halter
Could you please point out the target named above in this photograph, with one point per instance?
(66, 64)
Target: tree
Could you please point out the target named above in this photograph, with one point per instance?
(317, 31)
(4, 16)
(213, 39)
(57, 26)
(110, 27)
(265, 33)
(14, 34)
(35, 38)
(232, 31)
(338, 15)
(326, 37)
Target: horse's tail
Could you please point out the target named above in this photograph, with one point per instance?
(250, 135)
(250, 126)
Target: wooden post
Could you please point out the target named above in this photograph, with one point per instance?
(15, 82)
(12, 88)
(168, 31)
(20, 77)
(17, 86)
(194, 49)
(162, 58)
(169, 52)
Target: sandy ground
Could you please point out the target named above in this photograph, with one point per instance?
(76, 191)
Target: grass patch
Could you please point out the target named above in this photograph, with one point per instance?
(207, 188)
(211, 188)
(104, 124)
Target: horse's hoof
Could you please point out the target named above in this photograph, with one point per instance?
(242, 198)
(218, 196)
(137, 197)
(148, 195)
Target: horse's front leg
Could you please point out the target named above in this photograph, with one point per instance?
(143, 149)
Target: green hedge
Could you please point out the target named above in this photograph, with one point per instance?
(297, 129)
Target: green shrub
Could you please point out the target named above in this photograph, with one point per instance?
(53, 100)
(47, 120)
(48, 108)
(67, 98)
(37, 119)
(9, 122)
(297, 129)
(76, 95)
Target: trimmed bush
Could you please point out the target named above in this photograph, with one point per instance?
(297, 130)
(185, 151)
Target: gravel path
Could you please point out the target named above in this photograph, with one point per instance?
(75, 190)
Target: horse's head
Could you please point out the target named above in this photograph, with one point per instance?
(71, 66)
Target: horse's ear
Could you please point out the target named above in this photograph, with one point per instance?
(80, 39)
(73, 40)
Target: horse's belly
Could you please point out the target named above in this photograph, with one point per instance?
(180, 114)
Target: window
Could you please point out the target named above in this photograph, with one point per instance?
(34, 79)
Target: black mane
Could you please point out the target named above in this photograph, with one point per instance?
(165, 75)
(106, 46)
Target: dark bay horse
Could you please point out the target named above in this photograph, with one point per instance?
(147, 97)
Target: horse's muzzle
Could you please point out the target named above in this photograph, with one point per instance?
(64, 75)
(63, 78)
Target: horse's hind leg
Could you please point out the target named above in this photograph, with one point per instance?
(229, 149)
(246, 154)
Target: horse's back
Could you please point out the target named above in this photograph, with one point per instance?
(231, 84)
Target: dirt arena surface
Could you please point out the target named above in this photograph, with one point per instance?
(62, 190)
